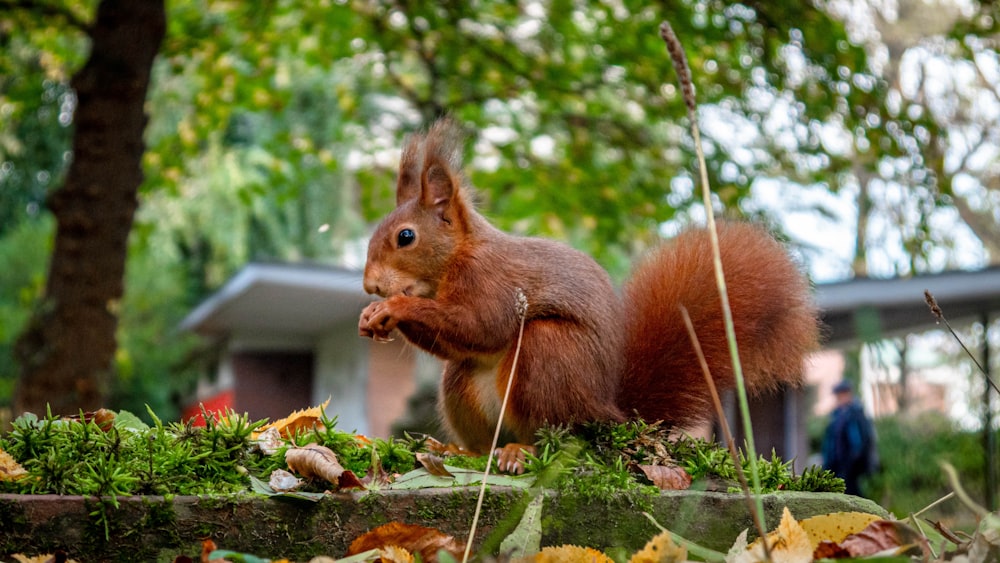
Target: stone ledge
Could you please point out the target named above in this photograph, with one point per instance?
(159, 528)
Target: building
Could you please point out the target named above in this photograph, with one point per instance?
(287, 335)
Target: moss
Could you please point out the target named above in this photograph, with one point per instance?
(375, 506)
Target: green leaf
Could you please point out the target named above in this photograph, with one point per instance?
(260, 487)
(526, 539)
(128, 421)
(421, 479)
(236, 556)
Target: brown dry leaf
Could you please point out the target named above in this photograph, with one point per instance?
(661, 549)
(567, 554)
(103, 418)
(207, 547)
(299, 421)
(667, 477)
(348, 480)
(315, 461)
(885, 536)
(416, 539)
(10, 469)
(830, 550)
(433, 464)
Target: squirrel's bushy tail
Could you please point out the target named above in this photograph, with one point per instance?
(775, 320)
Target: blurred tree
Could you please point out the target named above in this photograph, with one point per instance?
(68, 346)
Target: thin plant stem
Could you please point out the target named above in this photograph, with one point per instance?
(522, 311)
(939, 315)
(724, 424)
(676, 51)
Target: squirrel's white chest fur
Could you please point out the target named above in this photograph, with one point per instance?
(484, 385)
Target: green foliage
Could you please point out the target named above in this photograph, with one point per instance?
(911, 450)
(23, 253)
(604, 456)
(274, 128)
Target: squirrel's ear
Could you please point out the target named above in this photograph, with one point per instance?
(438, 189)
(408, 183)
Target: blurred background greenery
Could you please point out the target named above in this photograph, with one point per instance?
(275, 127)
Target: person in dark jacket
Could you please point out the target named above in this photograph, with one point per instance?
(849, 442)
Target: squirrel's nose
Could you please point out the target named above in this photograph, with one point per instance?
(371, 285)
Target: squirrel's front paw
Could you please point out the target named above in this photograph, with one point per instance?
(377, 322)
(511, 458)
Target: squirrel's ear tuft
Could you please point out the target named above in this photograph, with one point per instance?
(439, 190)
(441, 179)
(408, 183)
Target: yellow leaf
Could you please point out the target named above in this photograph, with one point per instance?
(298, 421)
(789, 544)
(395, 554)
(568, 554)
(10, 469)
(836, 526)
(661, 549)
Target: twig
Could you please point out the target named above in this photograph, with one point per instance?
(522, 312)
(724, 424)
(915, 520)
(963, 496)
(939, 315)
(676, 51)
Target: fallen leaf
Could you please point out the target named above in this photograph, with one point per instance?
(739, 547)
(262, 488)
(207, 548)
(830, 550)
(527, 536)
(299, 421)
(426, 542)
(660, 549)
(57, 557)
(10, 469)
(103, 418)
(420, 479)
(315, 461)
(433, 464)
(667, 477)
(986, 541)
(885, 536)
(269, 441)
(567, 554)
(348, 480)
(789, 544)
(836, 526)
(282, 481)
(396, 554)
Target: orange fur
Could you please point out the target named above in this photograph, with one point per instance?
(450, 282)
(775, 322)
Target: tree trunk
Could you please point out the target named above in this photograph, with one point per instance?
(67, 350)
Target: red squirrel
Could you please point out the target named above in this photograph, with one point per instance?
(450, 282)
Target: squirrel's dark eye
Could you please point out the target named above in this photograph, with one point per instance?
(405, 238)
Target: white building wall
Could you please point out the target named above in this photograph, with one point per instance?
(341, 373)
